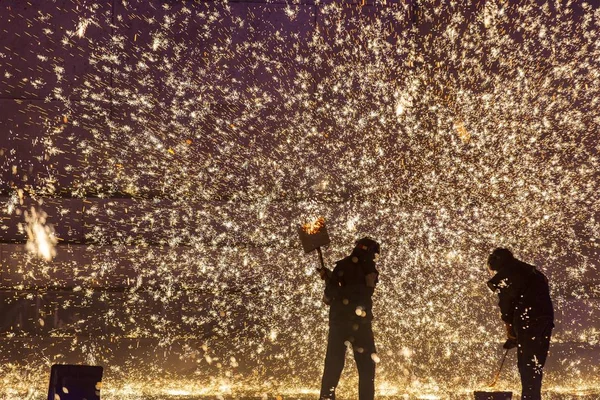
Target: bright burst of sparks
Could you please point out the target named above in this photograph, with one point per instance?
(195, 136)
(41, 240)
(314, 226)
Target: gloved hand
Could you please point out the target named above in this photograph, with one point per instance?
(510, 331)
(510, 344)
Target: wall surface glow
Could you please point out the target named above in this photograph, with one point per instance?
(170, 149)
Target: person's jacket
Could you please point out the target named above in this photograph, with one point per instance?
(350, 288)
(523, 293)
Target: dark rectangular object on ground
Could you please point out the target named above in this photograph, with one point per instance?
(493, 395)
(72, 382)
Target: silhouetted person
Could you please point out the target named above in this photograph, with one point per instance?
(527, 311)
(348, 292)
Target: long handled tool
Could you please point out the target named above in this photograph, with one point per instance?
(488, 395)
(313, 235)
(323, 271)
(499, 369)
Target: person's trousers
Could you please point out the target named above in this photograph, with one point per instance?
(534, 343)
(360, 337)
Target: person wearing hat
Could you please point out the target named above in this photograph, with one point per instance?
(528, 315)
(348, 293)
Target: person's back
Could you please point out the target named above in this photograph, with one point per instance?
(536, 302)
(524, 293)
(348, 291)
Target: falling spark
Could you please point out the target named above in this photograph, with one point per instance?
(462, 132)
(81, 27)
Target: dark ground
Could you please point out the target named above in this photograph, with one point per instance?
(547, 396)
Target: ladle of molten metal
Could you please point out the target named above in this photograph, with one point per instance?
(313, 235)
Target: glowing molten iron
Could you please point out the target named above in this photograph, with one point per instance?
(314, 226)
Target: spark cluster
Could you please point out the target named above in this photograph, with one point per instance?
(201, 134)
